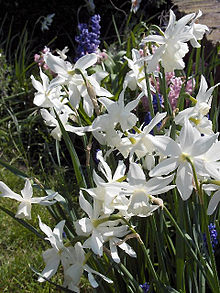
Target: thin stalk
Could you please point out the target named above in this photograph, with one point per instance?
(164, 92)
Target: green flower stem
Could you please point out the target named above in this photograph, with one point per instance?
(199, 190)
(115, 217)
(210, 249)
(146, 254)
(164, 92)
(205, 224)
(157, 94)
(180, 251)
(133, 281)
(201, 262)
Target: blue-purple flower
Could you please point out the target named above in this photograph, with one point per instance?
(88, 39)
(145, 287)
(213, 236)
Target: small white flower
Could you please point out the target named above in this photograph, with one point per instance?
(198, 30)
(47, 22)
(26, 199)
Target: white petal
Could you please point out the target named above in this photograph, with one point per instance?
(86, 61)
(27, 192)
(164, 167)
(52, 262)
(24, 211)
(47, 230)
(213, 203)
(114, 251)
(58, 230)
(85, 205)
(7, 192)
(184, 180)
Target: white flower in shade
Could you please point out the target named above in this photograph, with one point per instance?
(58, 253)
(135, 4)
(201, 108)
(141, 192)
(114, 242)
(63, 52)
(50, 120)
(190, 145)
(47, 22)
(136, 76)
(78, 265)
(173, 45)
(66, 74)
(198, 31)
(26, 199)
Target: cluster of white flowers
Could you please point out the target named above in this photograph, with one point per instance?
(128, 192)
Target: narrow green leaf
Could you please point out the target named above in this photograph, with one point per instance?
(23, 223)
(74, 157)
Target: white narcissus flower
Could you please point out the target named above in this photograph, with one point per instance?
(136, 76)
(73, 274)
(173, 45)
(58, 253)
(107, 193)
(114, 242)
(142, 142)
(198, 30)
(26, 199)
(50, 120)
(202, 106)
(141, 192)
(118, 112)
(87, 226)
(190, 145)
(66, 74)
(47, 97)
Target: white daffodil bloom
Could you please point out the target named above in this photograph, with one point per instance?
(87, 226)
(26, 199)
(198, 31)
(46, 96)
(142, 142)
(190, 145)
(136, 76)
(107, 193)
(47, 22)
(115, 242)
(95, 227)
(73, 274)
(209, 162)
(119, 113)
(66, 74)
(202, 106)
(173, 45)
(58, 253)
(141, 192)
(50, 120)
